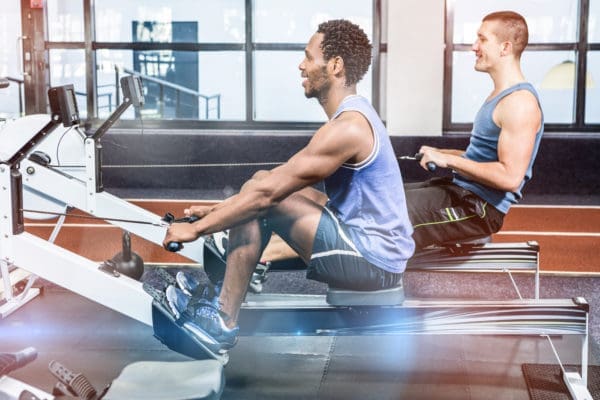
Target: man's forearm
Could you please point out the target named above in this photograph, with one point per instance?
(454, 152)
(492, 174)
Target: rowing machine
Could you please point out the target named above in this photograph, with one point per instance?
(78, 182)
(268, 315)
(386, 312)
(474, 256)
(42, 258)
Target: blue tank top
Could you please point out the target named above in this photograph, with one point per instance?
(483, 147)
(369, 197)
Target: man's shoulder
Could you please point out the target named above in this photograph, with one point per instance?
(520, 101)
(519, 109)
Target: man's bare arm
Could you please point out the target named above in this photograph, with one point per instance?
(336, 142)
(519, 117)
(455, 152)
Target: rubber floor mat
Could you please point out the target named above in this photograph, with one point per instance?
(544, 382)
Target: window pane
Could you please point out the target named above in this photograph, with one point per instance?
(592, 96)
(470, 88)
(557, 93)
(594, 22)
(223, 74)
(287, 21)
(177, 85)
(220, 21)
(279, 95)
(65, 20)
(549, 21)
(10, 61)
(68, 67)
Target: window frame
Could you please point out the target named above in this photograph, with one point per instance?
(581, 49)
(90, 46)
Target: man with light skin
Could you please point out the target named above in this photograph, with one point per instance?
(488, 177)
(356, 235)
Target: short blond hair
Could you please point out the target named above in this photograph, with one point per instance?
(514, 29)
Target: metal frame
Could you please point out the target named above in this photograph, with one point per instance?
(63, 188)
(297, 314)
(42, 258)
(468, 257)
(502, 257)
(79, 187)
(308, 315)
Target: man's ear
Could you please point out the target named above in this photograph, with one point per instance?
(337, 65)
(506, 48)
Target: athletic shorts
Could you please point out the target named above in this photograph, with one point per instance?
(337, 262)
(442, 212)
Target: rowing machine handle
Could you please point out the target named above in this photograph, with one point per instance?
(430, 165)
(176, 246)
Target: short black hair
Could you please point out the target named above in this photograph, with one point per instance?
(347, 40)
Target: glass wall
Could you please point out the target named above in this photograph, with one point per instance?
(65, 20)
(220, 21)
(592, 84)
(278, 91)
(11, 102)
(195, 59)
(68, 67)
(592, 97)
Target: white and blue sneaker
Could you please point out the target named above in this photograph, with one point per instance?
(203, 319)
(187, 282)
(177, 301)
(191, 286)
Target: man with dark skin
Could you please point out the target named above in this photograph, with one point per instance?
(356, 235)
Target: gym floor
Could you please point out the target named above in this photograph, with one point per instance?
(98, 342)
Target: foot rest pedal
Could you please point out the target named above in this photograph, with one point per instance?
(384, 297)
(169, 380)
(176, 334)
(70, 383)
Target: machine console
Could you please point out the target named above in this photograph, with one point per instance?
(63, 104)
(132, 89)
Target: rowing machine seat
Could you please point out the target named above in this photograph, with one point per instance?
(384, 297)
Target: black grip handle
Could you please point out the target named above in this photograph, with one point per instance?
(430, 165)
(176, 246)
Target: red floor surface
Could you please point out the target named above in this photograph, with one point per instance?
(569, 237)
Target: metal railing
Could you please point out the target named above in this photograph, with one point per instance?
(212, 104)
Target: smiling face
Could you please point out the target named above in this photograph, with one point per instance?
(313, 68)
(487, 47)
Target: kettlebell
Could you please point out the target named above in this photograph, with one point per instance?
(128, 262)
